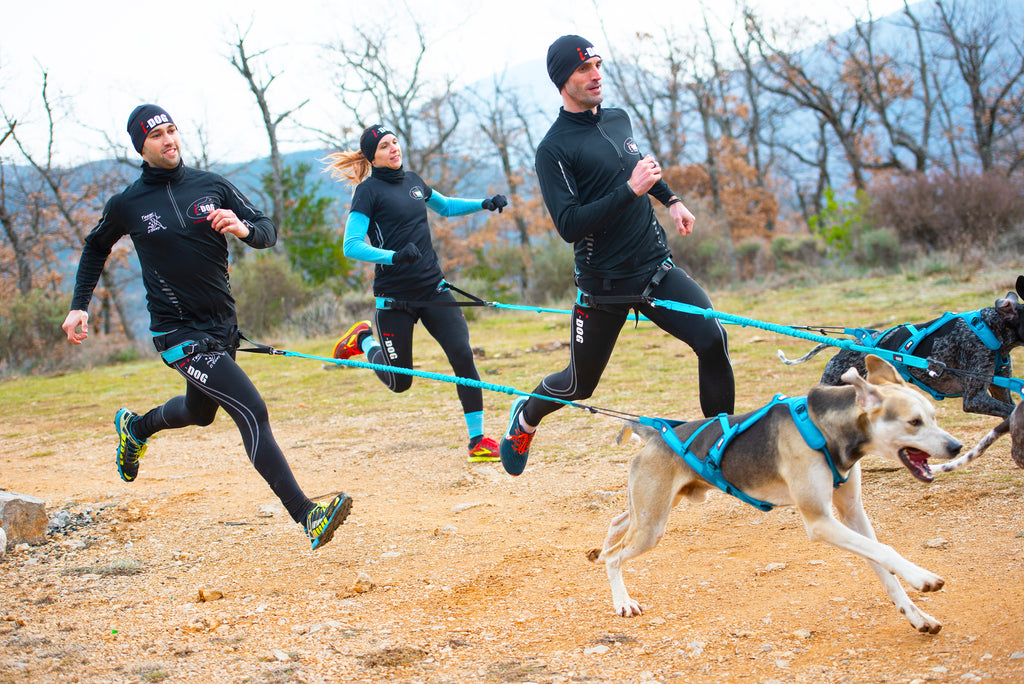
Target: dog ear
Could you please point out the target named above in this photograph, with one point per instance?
(1020, 285)
(1007, 308)
(868, 397)
(881, 371)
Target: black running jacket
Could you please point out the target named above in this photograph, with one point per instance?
(582, 165)
(184, 261)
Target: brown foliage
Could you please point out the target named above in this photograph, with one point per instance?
(750, 210)
(941, 211)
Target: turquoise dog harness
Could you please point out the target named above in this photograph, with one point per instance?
(973, 319)
(710, 467)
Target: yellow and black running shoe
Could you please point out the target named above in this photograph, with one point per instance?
(324, 519)
(129, 449)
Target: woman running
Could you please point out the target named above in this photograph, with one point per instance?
(389, 205)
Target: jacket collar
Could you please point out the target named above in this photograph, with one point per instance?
(156, 176)
(584, 118)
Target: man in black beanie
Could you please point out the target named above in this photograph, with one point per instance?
(178, 219)
(596, 184)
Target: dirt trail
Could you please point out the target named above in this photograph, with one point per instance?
(450, 572)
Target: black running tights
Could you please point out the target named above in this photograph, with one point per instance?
(595, 331)
(214, 380)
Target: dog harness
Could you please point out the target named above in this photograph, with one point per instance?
(973, 319)
(710, 467)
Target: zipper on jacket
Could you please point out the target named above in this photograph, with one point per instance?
(611, 142)
(174, 205)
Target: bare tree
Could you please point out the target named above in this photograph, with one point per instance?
(994, 77)
(65, 219)
(244, 64)
(813, 80)
(505, 124)
(373, 87)
(899, 92)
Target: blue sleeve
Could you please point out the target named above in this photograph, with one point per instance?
(355, 245)
(453, 206)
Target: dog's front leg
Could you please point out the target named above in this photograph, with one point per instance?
(851, 512)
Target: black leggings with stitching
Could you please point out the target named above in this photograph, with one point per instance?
(214, 380)
(394, 327)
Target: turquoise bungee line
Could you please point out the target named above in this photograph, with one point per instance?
(454, 379)
(892, 357)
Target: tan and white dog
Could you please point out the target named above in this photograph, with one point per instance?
(772, 462)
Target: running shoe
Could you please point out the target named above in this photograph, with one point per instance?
(350, 344)
(484, 450)
(515, 445)
(129, 449)
(324, 519)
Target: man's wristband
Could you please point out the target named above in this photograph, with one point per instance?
(673, 201)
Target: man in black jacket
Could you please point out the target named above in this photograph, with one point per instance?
(595, 185)
(178, 219)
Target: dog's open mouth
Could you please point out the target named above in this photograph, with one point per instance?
(916, 462)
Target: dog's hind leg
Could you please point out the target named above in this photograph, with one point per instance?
(851, 511)
(653, 490)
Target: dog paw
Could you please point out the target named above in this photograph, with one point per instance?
(931, 583)
(922, 621)
(629, 609)
(925, 623)
(924, 581)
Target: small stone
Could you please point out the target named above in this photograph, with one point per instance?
(936, 543)
(459, 508)
(596, 650)
(268, 511)
(207, 594)
(363, 584)
(23, 518)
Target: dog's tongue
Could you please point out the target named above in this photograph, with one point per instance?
(916, 462)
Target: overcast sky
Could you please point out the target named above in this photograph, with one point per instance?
(105, 57)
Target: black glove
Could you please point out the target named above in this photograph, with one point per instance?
(406, 255)
(496, 202)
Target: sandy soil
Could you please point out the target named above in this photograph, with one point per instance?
(450, 572)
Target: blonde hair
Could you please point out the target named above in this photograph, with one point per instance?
(350, 165)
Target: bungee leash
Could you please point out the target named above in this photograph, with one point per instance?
(934, 368)
(390, 302)
(931, 366)
(259, 348)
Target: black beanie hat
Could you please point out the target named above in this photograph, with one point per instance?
(565, 55)
(142, 120)
(371, 138)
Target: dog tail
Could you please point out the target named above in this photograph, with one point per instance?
(805, 357)
(631, 429)
(986, 441)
